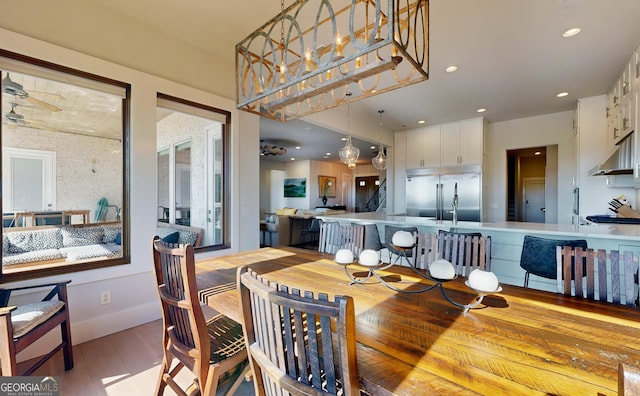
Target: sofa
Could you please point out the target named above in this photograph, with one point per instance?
(278, 224)
(78, 242)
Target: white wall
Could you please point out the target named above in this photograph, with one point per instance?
(549, 129)
(134, 297)
(78, 187)
(271, 198)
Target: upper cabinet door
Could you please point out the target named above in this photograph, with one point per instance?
(472, 141)
(450, 135)
(462, 142)
(423, 147)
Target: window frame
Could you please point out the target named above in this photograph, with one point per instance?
(226, 168)
(64, 268)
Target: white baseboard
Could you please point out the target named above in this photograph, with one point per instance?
(96, 327)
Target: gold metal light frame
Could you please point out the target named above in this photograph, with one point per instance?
(307, 58)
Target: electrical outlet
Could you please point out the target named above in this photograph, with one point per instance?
(105, 297)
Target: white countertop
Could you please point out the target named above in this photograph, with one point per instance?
(602, 230)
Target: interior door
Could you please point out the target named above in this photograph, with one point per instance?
(29, 182)
(366, 188)
(533, 200)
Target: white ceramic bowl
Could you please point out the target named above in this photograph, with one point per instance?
(442, 269)
(344, 256)
(369, 258)
(485, 281)
(403, 239)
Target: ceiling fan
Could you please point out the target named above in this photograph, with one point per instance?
(11, 87)
(270, 149)
(16, 119)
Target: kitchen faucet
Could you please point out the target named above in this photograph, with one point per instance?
(454, 204)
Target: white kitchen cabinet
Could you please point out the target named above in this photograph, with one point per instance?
(462, 142)
(423, 147)
(472, 141)
(450, 152)
(451, 144)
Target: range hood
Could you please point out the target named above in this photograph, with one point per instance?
(618, 162)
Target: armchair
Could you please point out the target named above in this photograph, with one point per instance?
(22, 325)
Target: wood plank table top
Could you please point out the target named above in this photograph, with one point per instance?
(518, 342)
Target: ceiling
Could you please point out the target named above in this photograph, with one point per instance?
(511, 58)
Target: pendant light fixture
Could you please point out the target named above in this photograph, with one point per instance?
(349, 154)
(301, 60)
(380, 161)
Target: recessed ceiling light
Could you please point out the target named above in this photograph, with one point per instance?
(421, 122)
(562, 94)
(293, 159)
(481, 110)
(372, 147)
(297, 147)
(328, 154)
(571, 32)
(343, 139)
(451, 69)
(537, 153)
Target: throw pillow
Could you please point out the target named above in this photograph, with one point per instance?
(290, 211)
(172, 238)
(281, 211)
(118, 239)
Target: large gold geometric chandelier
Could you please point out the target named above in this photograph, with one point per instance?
(309, 56)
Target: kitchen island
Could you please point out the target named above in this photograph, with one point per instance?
(507, 238)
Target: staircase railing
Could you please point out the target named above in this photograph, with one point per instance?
(378, 199)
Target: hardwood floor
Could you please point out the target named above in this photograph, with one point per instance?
(124, 363)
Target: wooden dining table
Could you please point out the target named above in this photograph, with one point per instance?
(517, 342)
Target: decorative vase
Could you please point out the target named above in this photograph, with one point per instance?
(324, 200)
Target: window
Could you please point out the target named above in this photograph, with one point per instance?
(63, 135)
(191, 157)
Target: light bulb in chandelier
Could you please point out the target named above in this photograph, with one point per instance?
(349, 154)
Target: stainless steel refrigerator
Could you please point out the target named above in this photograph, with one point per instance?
(430, 192)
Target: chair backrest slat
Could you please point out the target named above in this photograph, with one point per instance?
(628, 380)
(317, 349)
(614, 275)
(602, 269)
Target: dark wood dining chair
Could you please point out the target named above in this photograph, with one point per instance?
(598, 270)
(628, 380)
(298, 344)
(465, 251)
(335, 236)
(212, 349)
(22, 325)
(538, 255)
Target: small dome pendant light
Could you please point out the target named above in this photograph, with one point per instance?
(380, 161)
(349, 154)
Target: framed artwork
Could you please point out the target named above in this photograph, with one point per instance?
(327, 186)
(295, 188)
